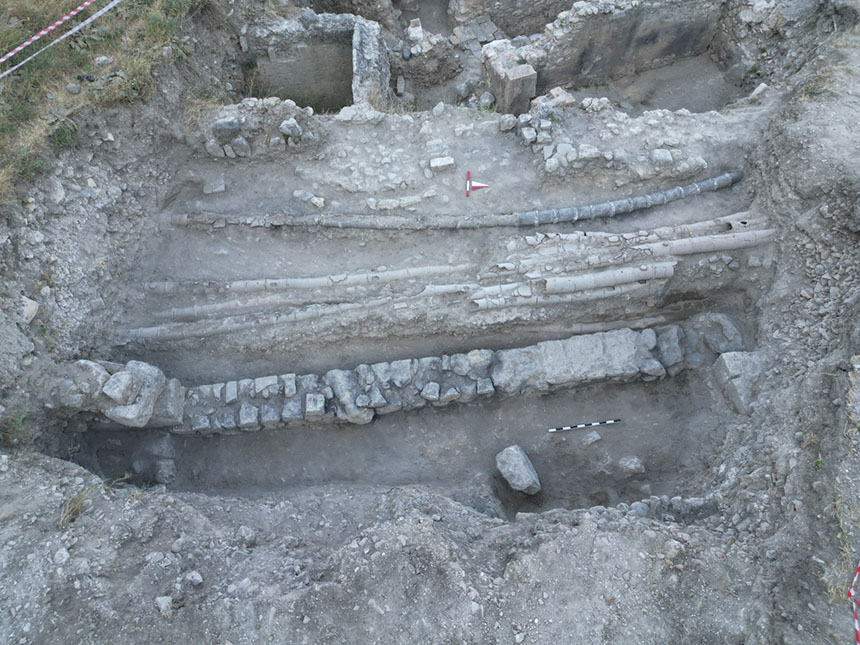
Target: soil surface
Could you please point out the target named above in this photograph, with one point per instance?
(719, 509)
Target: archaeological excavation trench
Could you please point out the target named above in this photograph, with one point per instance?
(316, 300)
(432, 321)
(635, 318)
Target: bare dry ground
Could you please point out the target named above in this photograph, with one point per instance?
(721, 508)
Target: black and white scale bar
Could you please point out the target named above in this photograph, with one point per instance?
(593, 424)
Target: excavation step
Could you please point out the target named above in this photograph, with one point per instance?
(527, 278)
(418, 222)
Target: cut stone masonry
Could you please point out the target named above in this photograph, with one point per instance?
(358, 395)
(596, 42)
(327, 60)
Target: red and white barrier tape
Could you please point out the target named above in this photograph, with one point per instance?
(74, 30)
(46, 30)
(854, 605)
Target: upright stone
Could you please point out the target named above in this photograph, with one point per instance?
(314, 405)
(231, 392)
(344, 384)
(292, 410)
(738, 374)
(249, 416)
(270, 415)
(288, 382)
(512, 83)
(169, 406)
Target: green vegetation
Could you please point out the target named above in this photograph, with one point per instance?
(34, 99)
(12, 428)
(63, 136)
(819, 85)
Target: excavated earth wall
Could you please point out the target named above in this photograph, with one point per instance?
(252, 322)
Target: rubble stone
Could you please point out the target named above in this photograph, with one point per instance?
(123, 387)
(249, 416)
(138, 413)
(517, 469)
(314, 405)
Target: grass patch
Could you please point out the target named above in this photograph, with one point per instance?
(73, 508)
(63, 136)
(33, 101)
(818, 86)
(837, 575)
(12, 428)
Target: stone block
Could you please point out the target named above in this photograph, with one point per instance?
(738, 374)
(266, 386)
(394, 402)
(439, 164)
(226, 418)
(719, 332)
(344, 385)
(241, 146)
(514, 88)
(270, 415)
(517, 469)
(377, 400)
(589, 358)
(314, 405)
(169, 406)
(469, 391)
(249, 416)
(631, 466)
(451, 394)
(231, 392)
(246, 387)
(591, 437)
(669, 349)
(199, 422)
(123, 387)
(484, 387)
(225, 129)
(401, 372)
(292, 409)
(309, 382)
(138, 413)
(430, 391)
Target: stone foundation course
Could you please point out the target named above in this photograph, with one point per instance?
(357, 396)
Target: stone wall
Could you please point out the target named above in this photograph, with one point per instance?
(136, 395)
(139, 395)
(594, 43)
(255, 128)
(325, 61)
(318, 74)
(512, 16)
(358, 395)
(381, 11)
